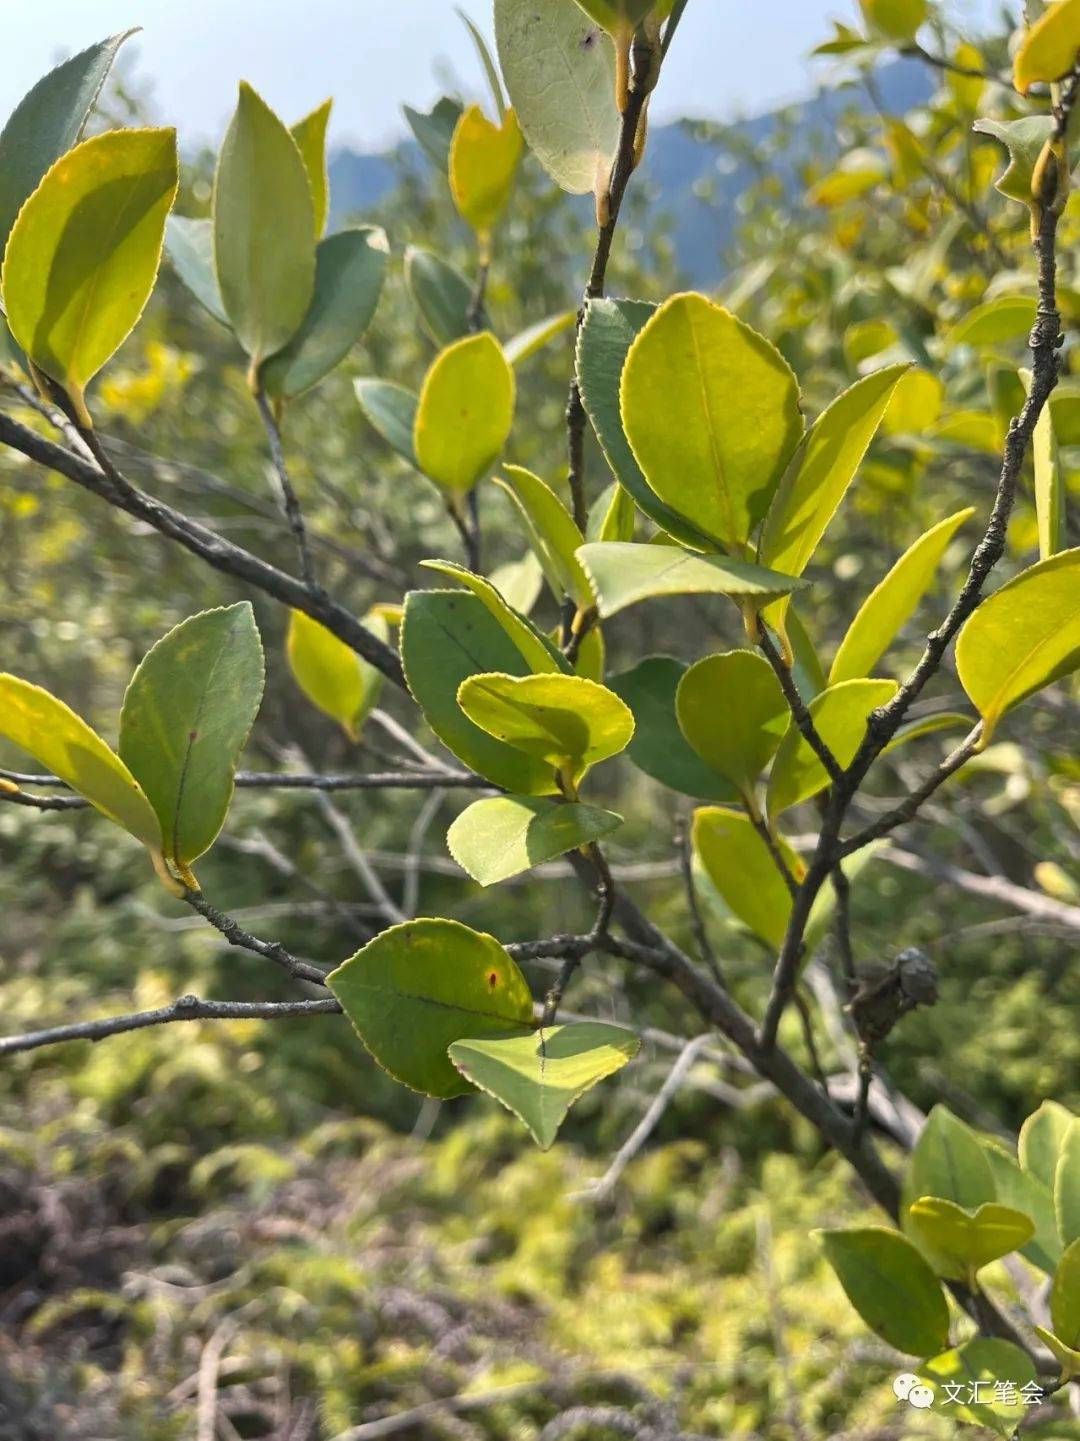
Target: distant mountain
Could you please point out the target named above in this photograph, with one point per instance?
(678, 165)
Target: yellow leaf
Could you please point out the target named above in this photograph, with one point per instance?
(483, 162)
(1049, 49)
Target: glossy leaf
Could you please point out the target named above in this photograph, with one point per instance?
(1065, 1297)
(623, 574)
(551, 529)
(186, 716)
(949, 1161)
(519, 582)
(1024, 139)
(534, 650)
(441, 294)
(418, 987)
(350, 268)
(1050, 47)
(541, 1075)
(711, 411)
(534, 338)
(612, 516)
(659, 747)
(733, 713)
(48, 122)
(1009, 317)
(915, 405)
(189, 245)
(610, 328)
(447, 636)
(819, 474)
(434, 129)
(465, 412)
(264, 229)
(927, 725)
(483, 163)
(738, 863)
(1050, 481)
(310, 136)
(64, 744)
(502, 836)
(1067, 1186)
(334, 678)
(391, 410)
(559, 70)
(567, 722)
(891, 1286)
(1021, 638)
(840, 715)
(83, 256)
(984, 1369)
(969, 1239)
(893, 601)
(1067, 1357)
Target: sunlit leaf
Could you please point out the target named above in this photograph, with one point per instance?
(969, 1239)
(1041, 1138)
(1050, 480)
(418, 987)
(839, 714)
(949, 1161)
(1007, 318)
(1050, 47)
(915, 405)
(986, 1369)
(342, 684)
(534, 338)
(502, 836)
(1067, 1186)
(733, 713)
(551, 529)
(483, 163)
(310, 136)
(898, 19)
(738, 863)
(538, 655)
(464, 414)
(891, 1286)
(519, 582)
(1019, 1189)
(1065, 1297)
(1025, 140)
(612, 516)
(623, 574)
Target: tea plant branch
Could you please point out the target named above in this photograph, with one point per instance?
(693, 905)
(243, 940)
(270, 780)
(219, 553)
(187, 1008)
(797, 706)
(294, 514)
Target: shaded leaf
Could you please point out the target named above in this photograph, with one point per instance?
(947, 1160)
(891, 1286)
(659, 747)
(502, 836)
(534, 649)
(391, 409)
(1065, 1297)
(440, 293)
(1067, 1186)
(434, 129)
(189, 245)
(623, 574)
(1017, 1188)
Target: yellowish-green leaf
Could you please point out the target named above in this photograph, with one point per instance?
(1067, 1186)
(418, 987)
(858, 172)
(1066, 1356)
(612, 516)
(996, 321)
(818, 475)
(981, 1371)
(519, 582)
(972, 429)
(534, 337)
(1021, 638)
(264, 229)
(738, 863)
(1041, 1137)
(1050, 481)
(897, 19)
(915, 404)
(1019, 1189)
(538, 655)
(732, 712)
(342, 684)
(891, 1286)
(1065, 1297)
(711, 411)
(840, 714)
(567, 722)
(623, 573)
(483, 163)
(310, 136)
(64, 744)
(551, 529)
(969, 1240)
(83, 256)
(948, 1160)
(541, 1075)
(465, 413)
(1050, 47)
(502, 836)
(893, 601)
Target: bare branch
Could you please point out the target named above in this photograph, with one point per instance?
(289, 502)
(235, 934)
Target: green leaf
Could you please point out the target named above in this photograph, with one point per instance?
(1050, 480)
(342, 684)
(840, 714)
(623, 574)
(350, 268)
(534, 649)
(519, 582)
(1065, 1297)
(568, 722)
(534, 338)
(896, 19)
(487, 61)
(1066, 1356)
(189, 245)
(915, 405)
(541, 1075)
(969, 1239)
(465, 412)
(551, 530)
(738, 863)
(418, 987)
(1015, 1187)
(1067, 1185)
(1007, 318)
(186, 717)
(501, 836)
(609, 329)
(979, 1369)
(441, 294)
(1041, 1138)
(949, 1161)
(483, 163)
(612, 515)
(83, 256)
(559, 71)
(891, 1286)
(1049, 48)
(893, 601)
(264, 229)
(817, 478)
(1021, 638)
(310, 136)
(659, 747)
(1025, 140)
(48, 122)
(733, 713)
(446, 637)
(434, 129)
(711, 411)
(64, 744)
(391, 410)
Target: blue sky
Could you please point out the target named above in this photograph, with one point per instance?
(371, 55)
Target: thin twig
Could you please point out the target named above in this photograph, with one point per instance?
(797, 706)
(235, 934)
(693, 905)
(289, 502)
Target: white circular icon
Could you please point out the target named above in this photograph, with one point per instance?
(902, 1386)
(920, 1396)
